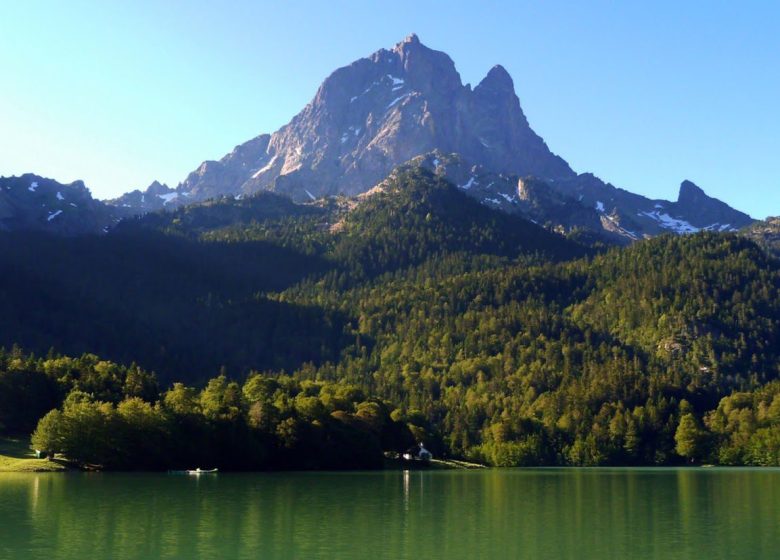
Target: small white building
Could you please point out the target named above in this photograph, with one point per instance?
(418, 454)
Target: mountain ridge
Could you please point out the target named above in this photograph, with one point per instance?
(30, 202)
(408, 105)
(396, 105)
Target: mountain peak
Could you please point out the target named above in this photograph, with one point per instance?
(412, 38)
(709, 212)
(427, 69)
(498, 79)
(157, 188)
(690, 193)
(375, 114)
(410, 43)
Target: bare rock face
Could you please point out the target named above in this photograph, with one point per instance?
(408, 104)
(226, 176)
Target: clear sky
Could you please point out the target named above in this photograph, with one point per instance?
(643, 94)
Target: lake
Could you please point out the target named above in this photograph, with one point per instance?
(500, 513)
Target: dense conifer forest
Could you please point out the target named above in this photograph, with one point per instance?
(258, 333)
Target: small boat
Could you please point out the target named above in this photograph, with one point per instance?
(202, 471)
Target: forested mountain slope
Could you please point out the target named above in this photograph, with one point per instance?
(186, 292)
(181, 307)
(582, 363)
(485, 335)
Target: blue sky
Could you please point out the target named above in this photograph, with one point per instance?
(642, 94)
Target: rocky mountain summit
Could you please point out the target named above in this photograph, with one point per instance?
(409, 105)
(377, 113)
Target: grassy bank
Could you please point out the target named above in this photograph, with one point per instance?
(16, 456)
(443, 464)
(455, 464)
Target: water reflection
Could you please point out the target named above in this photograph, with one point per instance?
(544, 513)
(407, 477)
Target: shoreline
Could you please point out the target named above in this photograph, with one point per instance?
(16, 456)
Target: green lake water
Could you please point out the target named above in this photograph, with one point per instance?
(504, 513)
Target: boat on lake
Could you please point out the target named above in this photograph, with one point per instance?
(195, 471)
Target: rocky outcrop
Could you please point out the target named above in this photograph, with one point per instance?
(765, 233)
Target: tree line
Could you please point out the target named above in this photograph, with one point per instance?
(100, 414)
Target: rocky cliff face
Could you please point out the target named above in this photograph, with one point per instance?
(409, 104)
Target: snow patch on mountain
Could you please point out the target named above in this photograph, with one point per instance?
(471, 182)
(672, 224)
(396, 81)
(168, 198)
(265, 168)
(396, 100)
(719, 227)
